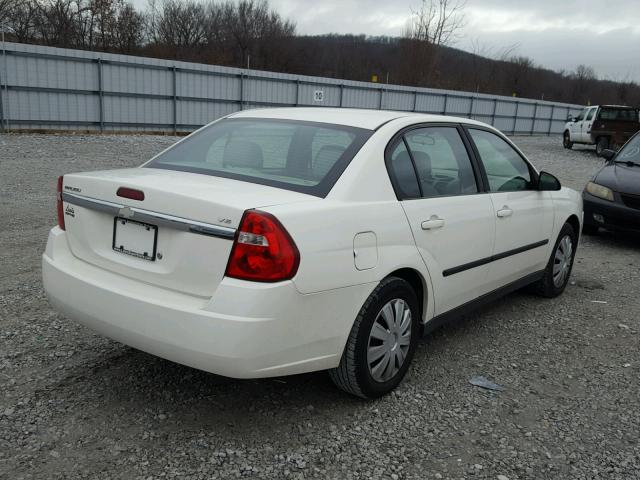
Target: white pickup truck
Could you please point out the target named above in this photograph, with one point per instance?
(605, 126)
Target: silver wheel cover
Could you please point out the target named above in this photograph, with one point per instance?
(389, 340)
(562, 261)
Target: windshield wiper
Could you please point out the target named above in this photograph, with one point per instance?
(628, 163)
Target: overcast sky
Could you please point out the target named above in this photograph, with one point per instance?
(557, 34)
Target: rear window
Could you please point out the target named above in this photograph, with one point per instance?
(618, 114)
(306, 157)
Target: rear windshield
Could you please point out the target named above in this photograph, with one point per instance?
(618, 114)
(306, 157)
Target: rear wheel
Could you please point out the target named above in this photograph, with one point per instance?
(381, 343)
(601, 145)
(566, 140)
(558, 270)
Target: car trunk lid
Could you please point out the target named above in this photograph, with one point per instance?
(190, 219)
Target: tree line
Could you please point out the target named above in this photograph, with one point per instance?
(248, 33)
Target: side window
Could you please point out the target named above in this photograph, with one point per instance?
(402, 172)
(581, 115)
(442, 161)
(591, 113)
(505, 168)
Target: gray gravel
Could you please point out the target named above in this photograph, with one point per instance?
(76, 405)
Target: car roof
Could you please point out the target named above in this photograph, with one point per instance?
(353, 117)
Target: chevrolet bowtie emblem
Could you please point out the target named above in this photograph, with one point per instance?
(125, 212)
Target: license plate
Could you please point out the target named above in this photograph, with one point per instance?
(135, 238)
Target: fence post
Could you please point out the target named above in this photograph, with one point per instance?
(175, 100)
(515, 118)
(297, 91)
(415, 101)
(100, 96)
(553, 107)
(241, 90)
(381, 95)
(446, 101)
(341, 93)
(1, 105)
(533, 122)
(470, 115)
(4, 116)
(493, 114)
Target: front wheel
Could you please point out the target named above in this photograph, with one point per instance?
(558, 270)
(381, 343)
(566, 141)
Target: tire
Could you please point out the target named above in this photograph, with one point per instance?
(355, 374)
(566, 141)
(549, 286)
(601, 145)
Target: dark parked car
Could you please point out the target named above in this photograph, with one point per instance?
(612, 197)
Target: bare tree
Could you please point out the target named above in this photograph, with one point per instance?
(434, 24)
(437, 22)
(6, 9)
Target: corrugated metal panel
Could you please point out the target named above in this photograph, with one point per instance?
(201, 113)
(430, 103)
(361, 98)
(72, 89)
(483, 107)
(398, 100)
(307, 95)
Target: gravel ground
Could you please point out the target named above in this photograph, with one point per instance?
(76, 405)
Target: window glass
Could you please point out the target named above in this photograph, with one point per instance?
(590, 114)
(618, 114)
(442, 162)
(505, 168)
(402, 172)
(631, 151)
(327, 147)
(302, 156)
(581, 115)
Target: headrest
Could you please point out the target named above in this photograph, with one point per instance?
(244, 154)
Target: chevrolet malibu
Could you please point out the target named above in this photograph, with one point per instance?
(282, 241)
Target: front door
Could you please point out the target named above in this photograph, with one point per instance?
(575, 127)
(585, 135)
(524, 215)
(452, 223)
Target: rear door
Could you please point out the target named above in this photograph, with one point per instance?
(451, 220)
(523, 215)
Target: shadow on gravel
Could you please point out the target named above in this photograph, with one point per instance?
(616, 240)
(148, 393)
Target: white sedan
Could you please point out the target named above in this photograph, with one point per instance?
(276, 242)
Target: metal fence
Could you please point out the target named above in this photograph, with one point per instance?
(53, 88)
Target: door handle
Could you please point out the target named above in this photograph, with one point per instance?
(504, 212)
(433, 223)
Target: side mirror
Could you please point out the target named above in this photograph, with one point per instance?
(548, 183)
(608, 154)
(570, 118)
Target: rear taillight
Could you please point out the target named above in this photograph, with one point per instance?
(263, 251)
(59, 203)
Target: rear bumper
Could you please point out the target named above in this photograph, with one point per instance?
(616, 216)
(245, 330)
